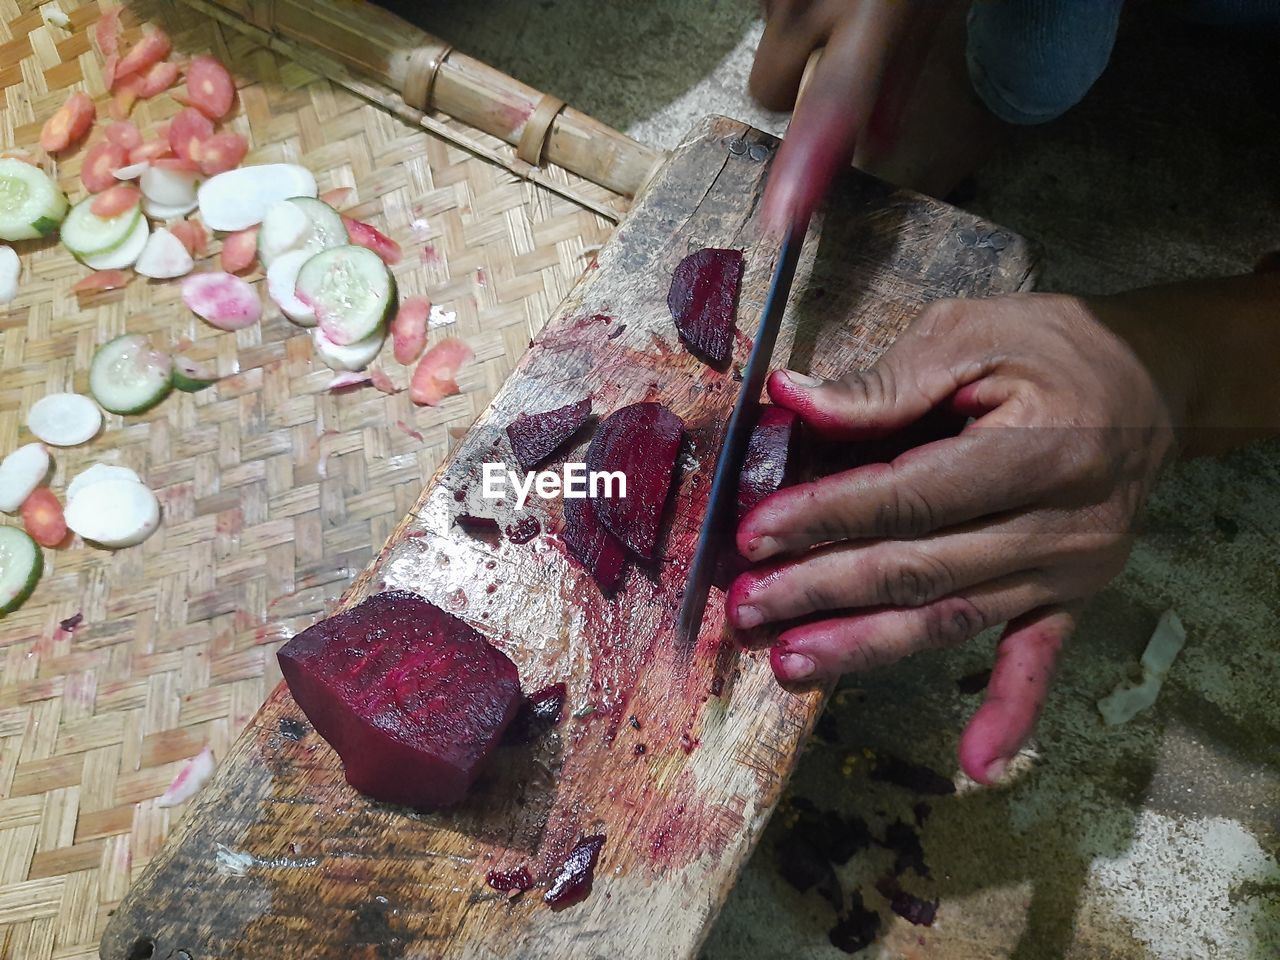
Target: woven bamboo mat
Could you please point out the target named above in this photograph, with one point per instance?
(275, 492)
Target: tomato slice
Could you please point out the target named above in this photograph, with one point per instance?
(43, 518)
(101, 280)
(240, 250)
(188, 130)
(193, 236)
(210, 88)
(151, 49)
(115, 201)
(158, 78)
(125, 96)
(150, 151)
(99, 165)
(71, 122)
(222, 152)
(365, 235)
(124, 134)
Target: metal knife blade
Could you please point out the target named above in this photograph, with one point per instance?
(716, 529)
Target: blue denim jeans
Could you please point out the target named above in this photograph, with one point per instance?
(1032, 60)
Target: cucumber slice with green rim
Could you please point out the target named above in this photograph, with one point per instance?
(124, 255)
(192, 377)
(349, 356)
(283, 231)
(327, 229)
(31, 205)
(86, 234)
(127, 376)
(351, 291)
(21, 564)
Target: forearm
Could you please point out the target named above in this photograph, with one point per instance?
(1213, 348)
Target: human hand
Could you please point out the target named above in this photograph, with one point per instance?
(1018, 519)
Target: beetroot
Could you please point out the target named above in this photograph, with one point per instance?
(642, 441)
(534, 437)
(704, 290)
(573, 883)
(538, 713)
(764, 469)
(412, 699)
(593, 546)
(524, 529)
(507, 880)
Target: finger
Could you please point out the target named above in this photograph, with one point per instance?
(900, 77)
(941, 484)
(836, 106)
(863, 641)
(1016, 692)
(792, 31)
(887, 573)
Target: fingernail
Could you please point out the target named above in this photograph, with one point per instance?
(796, 666)
(996, 769)
(748, 617)
(758, 547)
(803, 380)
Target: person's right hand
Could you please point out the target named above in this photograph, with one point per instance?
(873, 51)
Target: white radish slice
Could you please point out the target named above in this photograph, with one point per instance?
(124, 255)
(167, 187)
(64, 419)
(97, 474)
(10, 268)
(164, 211)
(285, 227)
(222, 300)
(114, 513)
(347, 356)
(282, 281)
(195, 773)
(164, 257)
(20, 473)
(239, 198)
(131, 171)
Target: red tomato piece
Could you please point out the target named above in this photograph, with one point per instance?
(210, 88)
(240, 250)
(193, 236)
(222, 152)
(151, 49)
(125, 96)
(113, 202)
(189, 129)
(107, 32)
(150, 151)
(71, 122)
(124, 134)
(43, 518)
(99, 165)
(101, 280)
(338, 197)
(365, 235)
(158, 78)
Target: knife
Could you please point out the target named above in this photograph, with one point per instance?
(717, 530)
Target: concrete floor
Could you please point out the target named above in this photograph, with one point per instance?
(1158, 839)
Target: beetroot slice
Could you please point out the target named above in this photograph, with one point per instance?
(704, 291)
(412, 698)
(573, 883)
(764, 469)
(506, 880)
(536, 436)
(642, 441)
(591, 544)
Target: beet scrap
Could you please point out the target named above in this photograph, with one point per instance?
(591, 544)
(573, 883)
(538, 713)
(524, 529)
(535, 436)
(767, 464)
(508, 880)
(703, 294)
(642, 442)
(412, 698)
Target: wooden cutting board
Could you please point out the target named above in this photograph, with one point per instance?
(678, 761)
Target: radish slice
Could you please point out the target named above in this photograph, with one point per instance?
(163, 185)
(366, 235)
(195, 773)
(285, 227)
(20, 473)
(348, 378)
(131, 171)
(64, 419)
(162, 211)
(114, 513)
(222, 300)
(164, 257)
(10, 268)
(96, 474)
(240, 198)
(347, 356)
(433, 380)
(239, 250)
(282, 279)
(193, 236)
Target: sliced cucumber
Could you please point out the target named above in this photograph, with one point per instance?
(125, 255)
(31, 205)
(350, 356)
(299, 223)
(327, 229)
(86, 234)
(191, 377)
(351, 291)
(21, 564)
(127, 376)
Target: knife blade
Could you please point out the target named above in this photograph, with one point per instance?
(716, 528)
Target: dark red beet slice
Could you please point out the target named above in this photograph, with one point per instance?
(524, 529)
(536, 436)
(573, 883)
(506, 880)
(764, 469)
(642, 441)
(539, 713)
(704, 291)
(594, 547)
(412, 698)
